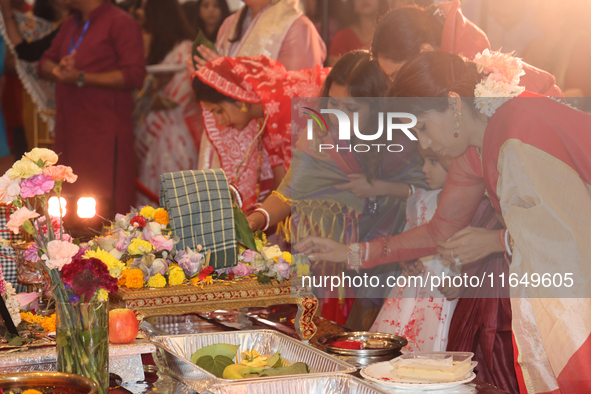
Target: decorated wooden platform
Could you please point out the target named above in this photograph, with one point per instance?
(178, 300)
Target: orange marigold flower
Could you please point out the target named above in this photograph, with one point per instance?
(31, 391)
(161, 216)
(134, 278)
(48, 324)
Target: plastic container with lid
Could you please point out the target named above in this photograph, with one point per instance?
(433, 366)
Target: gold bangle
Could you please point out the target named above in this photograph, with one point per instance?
(409, 191)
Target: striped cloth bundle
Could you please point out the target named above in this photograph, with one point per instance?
(199, 205)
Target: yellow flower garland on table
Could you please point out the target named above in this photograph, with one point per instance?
(47, 323)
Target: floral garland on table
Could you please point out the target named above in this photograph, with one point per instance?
(502, 82)
(8, 294)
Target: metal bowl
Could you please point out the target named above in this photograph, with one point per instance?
(49, 382)
(374, 343)
(378, 347)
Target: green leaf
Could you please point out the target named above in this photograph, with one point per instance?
(244, 234)
(201, 40)
(14, 340)
(61, 340)
(215, 365)
(295, 369)
(263, 279)
(218, 349)
(275, 361)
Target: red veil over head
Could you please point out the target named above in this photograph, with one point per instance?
(257, 80)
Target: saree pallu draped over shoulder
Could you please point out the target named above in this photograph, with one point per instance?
(537, 170)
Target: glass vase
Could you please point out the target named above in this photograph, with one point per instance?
(83, 341)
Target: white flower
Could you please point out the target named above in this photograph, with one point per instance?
(12, 304)
(9, 189)
(501, 83)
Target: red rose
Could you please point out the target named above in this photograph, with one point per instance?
(205, 272)
(138, 221)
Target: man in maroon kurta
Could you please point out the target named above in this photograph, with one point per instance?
(97, 59)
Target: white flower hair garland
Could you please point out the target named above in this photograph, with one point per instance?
(502, 82)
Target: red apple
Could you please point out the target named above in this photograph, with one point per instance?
(123, 326)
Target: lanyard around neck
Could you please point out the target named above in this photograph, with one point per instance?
(73, 46)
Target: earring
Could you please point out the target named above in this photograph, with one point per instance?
(457, 123)
(243, 108)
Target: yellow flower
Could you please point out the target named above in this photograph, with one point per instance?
(103, 295)
(132, 279)
(31, 391)
(47, 156)
(302, 269)
(24, 168)
(115, 266)
(157, 281)
(287, 257)
(139, 246)
(161, 216)
(48, 324)
(30, 318)
(148, 212)
(176, 276)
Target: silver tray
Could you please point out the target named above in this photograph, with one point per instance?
(389, 344)
(174, 355)
(333, 384)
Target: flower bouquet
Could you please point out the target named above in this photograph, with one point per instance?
(80, 281)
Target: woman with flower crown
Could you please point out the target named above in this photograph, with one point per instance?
(532, 156)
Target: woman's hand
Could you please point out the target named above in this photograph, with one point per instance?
(412, 268)
(470, 244)
(450, 292)
(207, 55)
(324, 249)
(256, 221)
(360, 187)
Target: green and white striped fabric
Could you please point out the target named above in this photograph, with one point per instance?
(199, 205)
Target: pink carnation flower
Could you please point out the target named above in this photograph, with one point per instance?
(37, 185)
(31, 254)
(60, 253)
(19, 217)
(60, 173)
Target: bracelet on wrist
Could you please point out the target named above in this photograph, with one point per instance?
(265, 214)
(508, 244)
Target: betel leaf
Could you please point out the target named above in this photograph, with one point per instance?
(244, 234)
(200, 40)
(218, 349)
(215, 365)
(295, 369)
(262, 278)
(275, 361)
